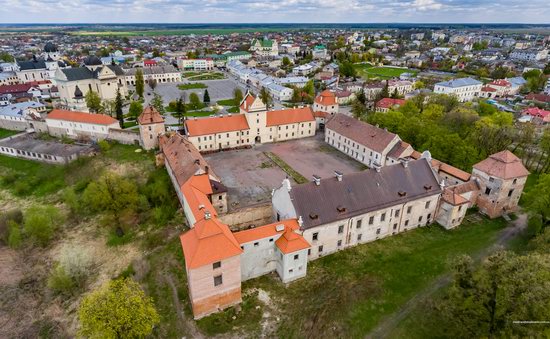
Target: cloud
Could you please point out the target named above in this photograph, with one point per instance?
(424, 5)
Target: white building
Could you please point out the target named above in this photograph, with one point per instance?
(465, 89)
(264, 47)
(206, 64)
(78, 125)
(529, 54)
(160, 74)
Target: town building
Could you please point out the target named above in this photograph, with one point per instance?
(80, 125)
(465, 89)
(20, 116)
(160, 74)
(529, 54)
(370, 145)
(326, 102)
(385, 104)
(151, 126)
(204, 64)
(264, 47)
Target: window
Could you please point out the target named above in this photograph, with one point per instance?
(378, 231)
(217, 264)
(320, 248)
(383, 217)
(271, 240)
(315, 236)
(359, 236)
(309, 252)
(420, 219)
(359, 222)
(339, 243)
(396, 213)
(427, 204)
(430, 216)
(218, 280)
(394, 226)
(296, 256)
(340, 229)
(256, 244)
(371, 220)
(409, 209)
(491, 179)
(290, 271)
(487, 191)
(515, 181)
(406, 223)
(510, 192)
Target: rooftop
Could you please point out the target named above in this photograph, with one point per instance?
(82, 117)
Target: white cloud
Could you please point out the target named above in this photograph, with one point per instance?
(424, 5)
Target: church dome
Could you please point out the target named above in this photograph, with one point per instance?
(92, 60)
(50, 48)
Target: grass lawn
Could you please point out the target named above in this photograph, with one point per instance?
(128, 124)
(200, 113)
(233, 110)
(227, 102)
(190, 74)
(298, 178)
(367, 71)
(196, 85)
(347, 294)
(207, 76)
(4, 133)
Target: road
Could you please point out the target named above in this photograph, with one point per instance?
(390, 323)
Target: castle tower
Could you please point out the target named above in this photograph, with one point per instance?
(502, 177)
(255, 111)
(151, 125)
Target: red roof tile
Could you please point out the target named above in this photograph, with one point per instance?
(289, 116)
(389, 102)
(82, 117)
(213, 125)
(150, 116)
(504, 165)
(326, 98)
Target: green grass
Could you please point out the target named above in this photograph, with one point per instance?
(348, 293)
(207, 76)
(227, 102)
(367, 71)
(196, 85)
(190, 74)
(128, 124)
(4, 133)
(233, 110)
(200, 113)
(298, 178)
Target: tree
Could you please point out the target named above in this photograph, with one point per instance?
(118, 108)
(206, 97)
(286, 61)
(153, 84)
(237, 96)
(41, 222)
(547, 69)
(419, 84)
(194, 101)
(139, 82)
(296, 95)
(537, 199)
(265, 96)
(157, 103)
(395, 94)
(309, 88)
(347, 69)
(180, 110)
(6, 57)
(485, 302)
(111, 193)
(385, 93)
(118, 309)
(93, 102)
(358, 109)
(135, 109)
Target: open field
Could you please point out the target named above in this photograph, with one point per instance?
(367, 71)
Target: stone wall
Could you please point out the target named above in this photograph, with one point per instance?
(128, 137)
(245, 217)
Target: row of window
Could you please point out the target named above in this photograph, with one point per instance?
(29, 154)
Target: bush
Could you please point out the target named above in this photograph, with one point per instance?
(104, 146)
(14, 235)
(73, 267)
(13, 215)
(40, 223)
(60, 281)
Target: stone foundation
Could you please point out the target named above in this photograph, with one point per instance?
(213, 304)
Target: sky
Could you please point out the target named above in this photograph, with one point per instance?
(275, 11)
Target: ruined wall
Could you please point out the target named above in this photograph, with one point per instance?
(243, 218)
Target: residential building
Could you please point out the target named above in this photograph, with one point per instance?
(205, 64)
(151, 126)
(264, 47)
(465, 89)
(19, 116)
(326, 102)
(160, 74)
(370, 145)
(319, 52)
(529, 54)
(80, 125)
(385, 104)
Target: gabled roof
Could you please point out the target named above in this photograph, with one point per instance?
(453, 198)
(81, 117)
(504, 165)
(461, 82)
(289, 116)
(326, 98)
(214, 125)
(266, 231)
(82, 73)
(19, 88)
(362, 192)
(389, 102)
(365, 134)
(291, 242)
(150, 116)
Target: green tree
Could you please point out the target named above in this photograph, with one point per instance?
(265, 96)
(153, 84)
(286, 61)
(296, 95)
(118, 108)
(361, 97)
(180, 110)
(547, 69)
(136, 108)
(140, 83)
(41, 222)
(419, 84)
(118, 309)
(358, 109)
(157, 103)
(111, 193)
(237, 96)
(6, 57)
(93, 102)
(309, 88)
(206, 97)
(537, 199)
(347, 69)
(195, 101)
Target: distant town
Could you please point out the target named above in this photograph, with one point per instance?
(272, 180)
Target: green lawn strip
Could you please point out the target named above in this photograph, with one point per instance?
(190, 74)
(298, 178)
(128, 124)
(227, 102)
(200, 113)
(207, 76)
(390, 270)
(196, 85)
(233, 110)
(4, 133)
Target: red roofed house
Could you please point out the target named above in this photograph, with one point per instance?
(502, 177)
(254, 124)
(326, 101)
(386, 104)
(151, 126)
(536, 112)
(78, 125)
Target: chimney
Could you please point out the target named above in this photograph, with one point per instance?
(286, 184)
(300, 221)
(339, 175)
(206, 169)
(317, 180)
(377, 167)
(442, 184)
(207, 215)
(405, 162)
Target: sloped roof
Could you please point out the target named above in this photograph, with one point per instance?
(291, 242)
(453, 198)
(213, 125)
(265, 231)
(389, 102)
(289, 116)
(504, 165)
(326, 98)
(399, 150)
(365, 134)
(362, 192)
(82, 117)
(461, 82)
(150, 116)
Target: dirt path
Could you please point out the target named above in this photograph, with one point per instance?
(189, 324)
(388, 324)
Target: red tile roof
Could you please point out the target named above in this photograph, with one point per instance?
(389, 102)
(150, 116)
(19, 88)
(213, 125)
(82, 117)
(289, 116)
(291, 242)
(452, 198)
(265, 231)
(247, 101)
(504, 165)
(326, 98)
(536, 112)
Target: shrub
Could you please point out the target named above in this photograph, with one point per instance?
(60, 281)
(41, 222)
(13, 215)
(104, 146)
(77, 263)
(14, 235)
